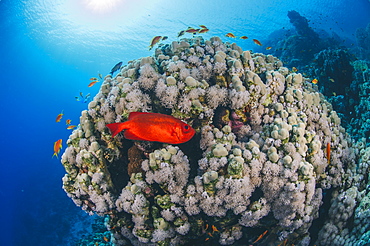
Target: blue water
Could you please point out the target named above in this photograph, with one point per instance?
(50, 48)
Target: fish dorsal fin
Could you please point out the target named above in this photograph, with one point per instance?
(133, 114)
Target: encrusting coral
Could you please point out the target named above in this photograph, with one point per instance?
(258, 162)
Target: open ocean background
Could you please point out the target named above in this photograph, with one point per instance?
(50, 48)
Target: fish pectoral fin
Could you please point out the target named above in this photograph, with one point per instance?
(175, 134)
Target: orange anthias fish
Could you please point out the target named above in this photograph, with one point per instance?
(70, 127)
(260, 237)
(230, 35)
(328, 152)
(154, 41)
(243, 37)
(256, 41)
(203, 30)
(68, 122)
(57, 147)
(315, 81)
(92, 83)
(59, 117)
(192, 30)
(153, 127)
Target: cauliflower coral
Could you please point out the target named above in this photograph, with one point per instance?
(258, 162)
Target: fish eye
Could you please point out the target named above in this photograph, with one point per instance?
(186, 127)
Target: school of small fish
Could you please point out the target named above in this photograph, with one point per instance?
(202, 29)
(84, 99)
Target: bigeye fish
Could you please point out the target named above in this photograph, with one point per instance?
(153, 127)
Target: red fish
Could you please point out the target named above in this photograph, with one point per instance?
(68, 122)
(57, 147)
(153, 127)
(328, 152)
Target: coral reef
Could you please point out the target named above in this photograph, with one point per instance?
(298, 47)
(257, 163)
(363, 41)
(359, 123)
(349, 214)
(333, 68)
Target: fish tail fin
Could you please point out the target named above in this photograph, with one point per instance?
(55, 154)
(116, 128)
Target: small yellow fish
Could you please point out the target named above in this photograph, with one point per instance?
(294, 69)
(315, 81)
(332, 80)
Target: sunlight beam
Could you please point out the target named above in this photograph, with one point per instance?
(102, 6)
